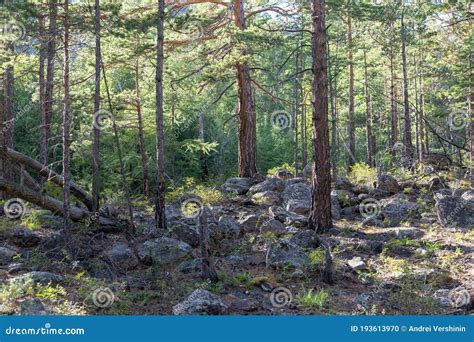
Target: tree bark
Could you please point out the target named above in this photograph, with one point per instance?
(95, 129)
(66, 174)
(49, 88)
(247, 125)
(393, 99)
(45, 172)
(320, 217)
(208, 263)
(141, 135)
(368, 119)
(42, 87)
(160, 157)
(333, 98)
(350, 118)
(407, 140)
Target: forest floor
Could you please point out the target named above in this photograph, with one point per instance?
(413, 267)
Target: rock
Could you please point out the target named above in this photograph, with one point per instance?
(345, 198)
(283, 174)
(190, 266)
(267, 198)
(44, 278)
(361, 190)
(378, 194)
(241, 260)
(297, 274)
(308, 171)
(305, 239)
(455, 209)
(394, 210)
(299, 207)
(278, 213)
(25, 237)
(186, 233)
(298, 191)
(370, 246)
(405, 232)
(122, 257)
(295, 180)
(389, 184)
(227, 228)
(357, 263)
(286, 254)
(6, 255)
(348, 211)
(271, 184)
(362, 197)
(299, 221)
(344, 184)
(334, 231)
(373, 221)
(164, 251)
(273, 226)
(33, 307)
(335, 208)
(458, 297)
(437, 183)
(249, 223)
(15, 268)
(237, 185)
(201, 302)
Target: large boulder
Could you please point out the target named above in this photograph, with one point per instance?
(344, 184)
(278, 213)
(237, 185)
(308, 171)
(249, 223)
(298, 191)
(271, 184)
(286, 254)
(227, 228)
(164, 251)
(298, 206)
(306, 239)
(25, 237)
(397, 209)
(267, 198)
(186, 233)
(201, 302)
(455, 209)
(346, 198)
(6, 255)
(122, 257)
(389, 184)
(273, 226)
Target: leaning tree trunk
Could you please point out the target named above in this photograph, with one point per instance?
(95, 128)
(160, 138)
(66, 126)
(247, 125)
(407, 140)
(320, 217)
(350, 118)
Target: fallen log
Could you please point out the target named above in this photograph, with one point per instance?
(44, 171)
(54, 205)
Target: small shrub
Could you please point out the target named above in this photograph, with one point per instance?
(313, 300)
(363, 174)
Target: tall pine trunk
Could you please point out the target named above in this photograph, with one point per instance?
(368, 119)
(66, 174)
(407, 140)
(141, 134)
(41, 83)
(160, 138)
(393, 98)
(320, 217)
(350, 118)
(247, 119)
(45, 129)
(96, 130)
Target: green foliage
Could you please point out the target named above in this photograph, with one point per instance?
(285, 166)
(207, 193)
(313, 300)
(363, 174)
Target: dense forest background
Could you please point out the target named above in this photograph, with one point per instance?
(316, 152)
